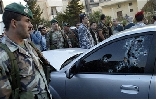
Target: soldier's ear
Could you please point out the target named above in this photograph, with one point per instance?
(13, 23)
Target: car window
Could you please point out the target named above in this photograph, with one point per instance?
(123, 56)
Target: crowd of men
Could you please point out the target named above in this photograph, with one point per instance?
(85, 34)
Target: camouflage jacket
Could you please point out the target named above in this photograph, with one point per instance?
(32, 77)
(55, 39)
(71, 38)
(85, 38)
(105, 30)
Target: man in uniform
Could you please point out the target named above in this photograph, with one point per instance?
(103, 31)
(16, 18)
(55, 36)
(139, 17)
(85, 38)
(69, 35)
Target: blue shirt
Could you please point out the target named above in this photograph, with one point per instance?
(85, 38)
(43, 43)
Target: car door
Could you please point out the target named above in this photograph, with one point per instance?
(117, 70)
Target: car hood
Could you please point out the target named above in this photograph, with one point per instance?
(58, 56)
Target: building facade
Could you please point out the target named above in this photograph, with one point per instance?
(50, 8)
(121, 8)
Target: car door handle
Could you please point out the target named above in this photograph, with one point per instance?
(129, 89)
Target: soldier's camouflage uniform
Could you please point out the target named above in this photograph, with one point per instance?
(71, 38)
(29, 68)
(55, 39)
(105, 30)
(85, 38)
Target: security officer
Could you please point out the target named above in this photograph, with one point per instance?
(85, 38)
(56, 38)
(16, 18)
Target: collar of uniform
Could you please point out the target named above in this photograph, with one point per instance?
(11, 45)
(84, 25)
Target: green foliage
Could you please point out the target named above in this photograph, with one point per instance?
(36, 10)
(108, 19)
(45, 22)
(149, 9)
(95, 17)
(71, 15)
(61, 17)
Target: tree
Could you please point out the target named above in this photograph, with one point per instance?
(71, 15)
(45, 22)
(73, 10)
(95, 17)
(61, 17)
(36, 10)
(149, 9)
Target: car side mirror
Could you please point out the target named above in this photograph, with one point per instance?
(71, 72)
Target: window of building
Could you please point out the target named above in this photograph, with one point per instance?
(91, 0)
(53, 11)
(130, 4)
(119, 14)
(131, 10)
(130, 56)
(1, 8)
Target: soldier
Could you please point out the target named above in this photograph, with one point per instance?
(85, 38)
(32, 82)
(56, 39)
(103, 30)
(139, 17)
(69, 36)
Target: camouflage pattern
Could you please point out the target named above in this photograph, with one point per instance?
(71, 39)
(138, 25)
(85, 38)
(55, 39)
(104, 28)
(32, 77)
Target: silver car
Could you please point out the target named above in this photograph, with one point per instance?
(120, 67)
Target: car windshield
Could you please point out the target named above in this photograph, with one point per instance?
(69, 60)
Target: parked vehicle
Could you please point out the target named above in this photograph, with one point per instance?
(60, 57)
(120, 67)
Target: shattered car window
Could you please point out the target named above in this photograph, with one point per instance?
(124, 56)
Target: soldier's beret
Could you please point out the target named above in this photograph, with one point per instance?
(54, 21)
(66, 24)
(20, 9)
(141, 13)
